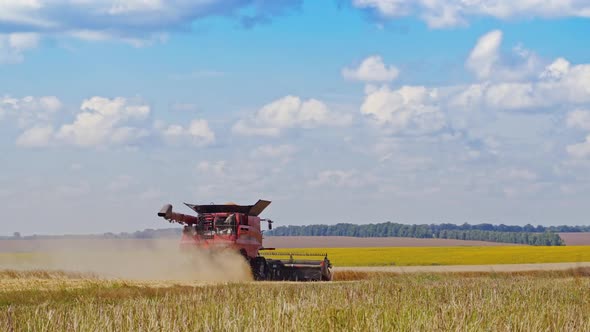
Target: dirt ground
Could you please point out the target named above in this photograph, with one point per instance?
(363, 242)
(469, 268)
(576, 239)
(43, 245)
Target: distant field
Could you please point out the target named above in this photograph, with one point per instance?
(576, 239)
(363, 242)
(271, 241)
(409, 256)
(86, 244)
(100, 255)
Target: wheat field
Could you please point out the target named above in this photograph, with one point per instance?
(542, 301)
(47, 299)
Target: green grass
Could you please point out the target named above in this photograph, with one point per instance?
(406, 256)
(387, 302)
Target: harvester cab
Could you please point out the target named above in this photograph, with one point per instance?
(237, 227)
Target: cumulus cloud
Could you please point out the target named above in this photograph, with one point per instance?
(450, 13)
(409, 110)
(13, 46)
(371, 69)
(341, 178)
(559, 83)
(217, 168)
(578, 119)
(38, 136)
(289, 112)
(29, 110)
(335, 177)
(104, 121)
(485, 54)
(100, 122)
(131, 20)
(273, 151)
(505, 96)
(197, 133)
(580, 150)
(519, 174)
(486, 61)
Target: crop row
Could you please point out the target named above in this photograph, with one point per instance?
(408, 256)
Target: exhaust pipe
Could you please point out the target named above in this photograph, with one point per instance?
(165, 211)
(185, 219)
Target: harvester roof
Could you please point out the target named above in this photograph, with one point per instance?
(251, 210)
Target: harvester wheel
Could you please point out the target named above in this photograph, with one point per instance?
(260, 269)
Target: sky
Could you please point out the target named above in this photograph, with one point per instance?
(361, 111)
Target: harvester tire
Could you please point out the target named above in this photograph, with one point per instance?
(260, 270)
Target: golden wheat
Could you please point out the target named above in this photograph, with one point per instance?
(543, 301)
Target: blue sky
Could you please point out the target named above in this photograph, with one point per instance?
(337, 111)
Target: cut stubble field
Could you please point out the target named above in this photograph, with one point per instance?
(153, 287)
(540, 301)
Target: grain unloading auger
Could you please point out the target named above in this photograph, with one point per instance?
(238, 227)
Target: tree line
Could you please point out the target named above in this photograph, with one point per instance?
(528, 234)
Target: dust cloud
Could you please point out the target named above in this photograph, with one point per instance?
(140, 260)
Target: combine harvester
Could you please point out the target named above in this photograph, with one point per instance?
(238, 227)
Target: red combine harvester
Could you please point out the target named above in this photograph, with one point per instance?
(238, 227)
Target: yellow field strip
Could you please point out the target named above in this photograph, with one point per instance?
(396, 256)
(412, 256)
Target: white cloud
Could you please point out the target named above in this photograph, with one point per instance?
(282, 152)
(578, 119)
(580, 150)
(556, 70)
(412, 110)
(344, 178)
(559, 83)
(274, 151)
(520, 174)
(104, 121)
(35, 137)
(487, 62)
(133, 21)
(289, 112)
(217, 168)
(371, 69)
(100, 122)
(485, 54)
(197, 133)
(449, 13)
(13, 46)
(120, 183)
(29, 110)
